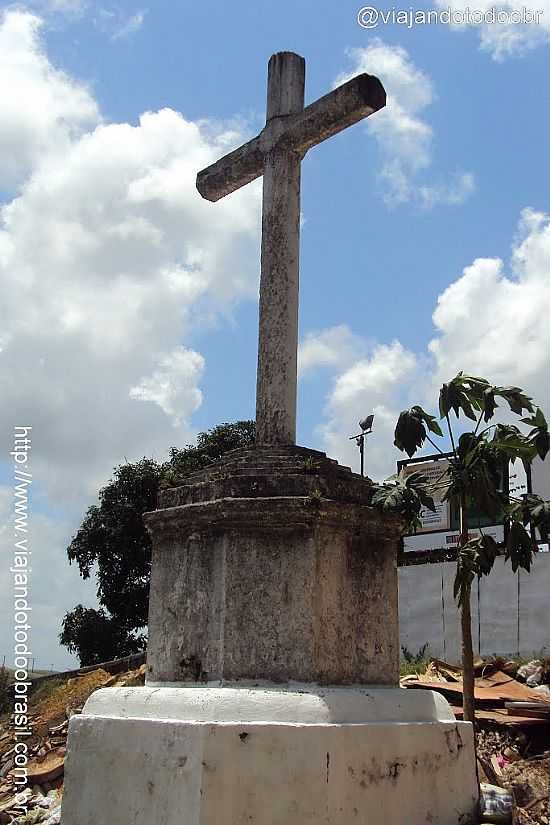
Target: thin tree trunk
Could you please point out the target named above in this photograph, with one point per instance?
(467, 660)
(466, 627)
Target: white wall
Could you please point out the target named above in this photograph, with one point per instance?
(541, 477)
(510, 612)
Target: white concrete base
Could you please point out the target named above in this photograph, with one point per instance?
(266, 756)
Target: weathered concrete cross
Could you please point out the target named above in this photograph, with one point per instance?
(276, 153)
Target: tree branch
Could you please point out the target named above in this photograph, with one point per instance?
(434, 444)
(451, 434)
(479, 421)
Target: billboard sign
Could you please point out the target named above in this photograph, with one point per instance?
(446, 540)
(440, 530)
(433, 472)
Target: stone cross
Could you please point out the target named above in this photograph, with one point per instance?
(276, 153)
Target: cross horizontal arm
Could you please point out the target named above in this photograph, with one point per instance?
(358, 98)
(234, 170)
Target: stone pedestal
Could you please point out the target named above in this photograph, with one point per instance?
(273, 661)
(273, 566)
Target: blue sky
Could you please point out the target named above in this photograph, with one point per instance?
(130, 319)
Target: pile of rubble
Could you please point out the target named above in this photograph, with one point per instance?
(505, 692)
(512, 709)
(50, 710)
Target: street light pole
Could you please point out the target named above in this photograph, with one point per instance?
(366, 429)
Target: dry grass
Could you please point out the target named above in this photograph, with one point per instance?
(55, 700)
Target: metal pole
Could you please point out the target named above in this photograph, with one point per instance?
(362, 451)
(529, 475)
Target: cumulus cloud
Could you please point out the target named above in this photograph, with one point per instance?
(489, 322)
(372, 384)
(513, 37)
(333, 347)
(170, 384)
(42, 109)
(404, 135)
(109, 258)
(496, 324)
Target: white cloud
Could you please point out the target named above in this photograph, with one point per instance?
(333, 347)
(453, 193)
(117, 24)
(404, 135)
(54, 10)
(54, 586)
(133, 24)
(109, 258)
(507, 39)
(42, 109)
(65, 6)
(497, 324)
(487, 323)
(169, 385)
(370, 385)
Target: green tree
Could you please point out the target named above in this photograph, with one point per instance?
(473, 478)
(96, 637)
(210, 447)
(113, 545)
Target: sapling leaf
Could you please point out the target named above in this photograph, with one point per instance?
(516, 399)
(539, 436)
(410, 431)
(519, 547)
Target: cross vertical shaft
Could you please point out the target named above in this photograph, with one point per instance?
(276, 153)
(278, 323)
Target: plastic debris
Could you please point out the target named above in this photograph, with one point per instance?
(496, 804)
(532, 668)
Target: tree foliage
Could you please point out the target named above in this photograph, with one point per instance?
(474, 477)
(475, 470)
(112, 542)
(405, 495)
(210, 447)
(96, 637)
(113, 545)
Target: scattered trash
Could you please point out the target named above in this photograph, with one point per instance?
(496, 804)
(536, 678)
(530, 670)
(499, 696)
(529, 782)
(50, 711)
(534, 710)
(511, 755)
(512, 734)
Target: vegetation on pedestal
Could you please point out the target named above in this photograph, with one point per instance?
(113, 545)
(474, 477)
